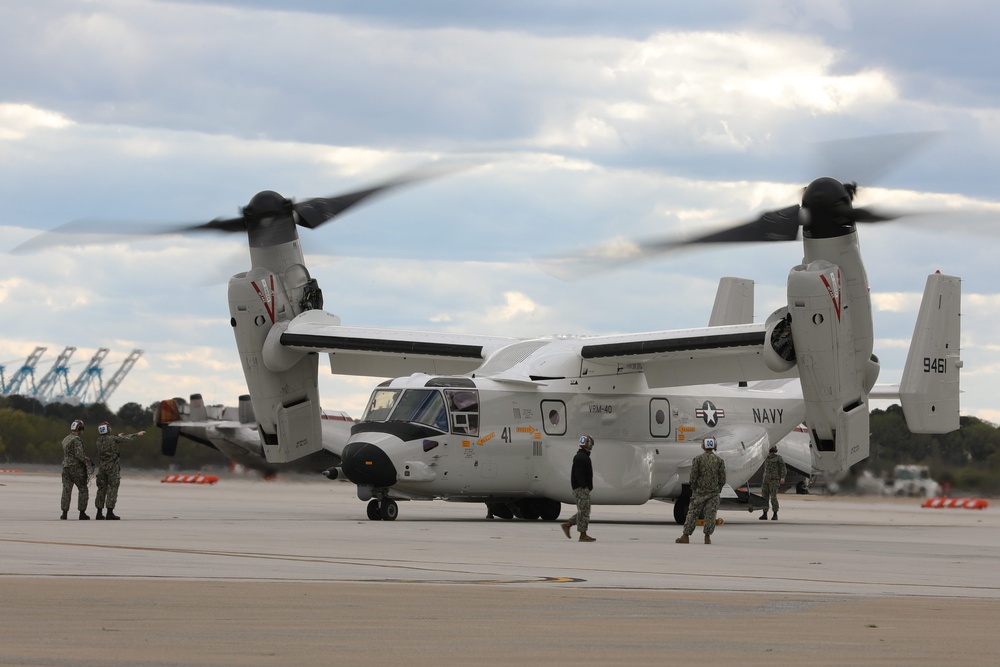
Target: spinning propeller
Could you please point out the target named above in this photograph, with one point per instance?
(826, 211)
(262, 218)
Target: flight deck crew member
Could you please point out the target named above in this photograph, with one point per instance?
(74, 470)
(582, 480)
(109, 474)
(708, 476)
(774, 476)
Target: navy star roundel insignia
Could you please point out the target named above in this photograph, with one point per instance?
(710, 413)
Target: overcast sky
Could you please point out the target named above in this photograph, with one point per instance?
(588, 122)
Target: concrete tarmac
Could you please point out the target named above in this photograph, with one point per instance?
(248, 572)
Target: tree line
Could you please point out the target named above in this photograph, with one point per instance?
(969, 458)
(32, 432)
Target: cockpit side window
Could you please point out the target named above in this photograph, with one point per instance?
(464, 407)
(381, 404)
(422, 406)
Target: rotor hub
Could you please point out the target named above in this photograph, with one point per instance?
(266, 204)
(826, 209)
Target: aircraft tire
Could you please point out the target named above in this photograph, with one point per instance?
(551, 509)
(373, 511)
(530, 509)
(681, 509)
(389, 510)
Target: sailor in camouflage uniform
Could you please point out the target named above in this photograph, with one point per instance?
(109, 474)
(774, 476)
(708, 476)
(74, 470)
(582, 481)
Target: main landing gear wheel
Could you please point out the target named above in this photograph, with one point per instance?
(530, 508)
(551, 509)
(502, 511)
(681, 509)
(373, 511)
(389, 510)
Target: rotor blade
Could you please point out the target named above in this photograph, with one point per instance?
(780, 225)
(226, 225)
(868, 215)
(314, 212)
(867, 160)
(90, 231)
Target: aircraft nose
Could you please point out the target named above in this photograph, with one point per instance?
(367, 465)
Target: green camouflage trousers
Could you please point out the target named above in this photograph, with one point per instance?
(108, 482)
(705, 504)
(770, 493)
(582, 517)
(75, 477)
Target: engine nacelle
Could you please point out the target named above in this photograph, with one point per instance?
(283, 388)
(833, 353)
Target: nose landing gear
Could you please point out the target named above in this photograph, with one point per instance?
(383, 509)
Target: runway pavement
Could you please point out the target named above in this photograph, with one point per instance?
(248, 572)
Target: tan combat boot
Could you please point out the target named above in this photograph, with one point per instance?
(566, 526)
(584, 537)
(708, 539)
(683, 539)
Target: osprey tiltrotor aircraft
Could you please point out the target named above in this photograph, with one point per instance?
(493, 419)
(232, 431)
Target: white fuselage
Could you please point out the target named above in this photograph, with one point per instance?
(527, 437)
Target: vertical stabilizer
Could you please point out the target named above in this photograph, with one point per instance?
(929, 388)
(733, 302)
(198, 412)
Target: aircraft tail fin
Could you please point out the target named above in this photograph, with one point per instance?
(733, 302)
(169, 411)
(245, 410)
(929, 388)
(198, 411)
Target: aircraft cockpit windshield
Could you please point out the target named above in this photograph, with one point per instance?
(381, 405)
(427, 406)
(421, 406)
